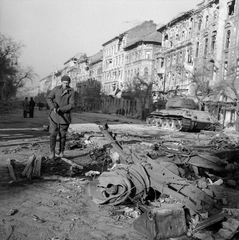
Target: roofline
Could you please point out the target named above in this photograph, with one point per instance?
(113, 39)
(143, 41)
(175, 20)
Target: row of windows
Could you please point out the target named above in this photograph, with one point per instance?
(114, 49)
(179, 58)
(199, 24)
(113, 75)
(129, 74)
(138, 55)
(118, 60)
(213, 44)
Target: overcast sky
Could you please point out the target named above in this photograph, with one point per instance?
(55, 30)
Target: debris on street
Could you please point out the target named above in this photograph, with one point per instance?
(168, 187)
(186, 180)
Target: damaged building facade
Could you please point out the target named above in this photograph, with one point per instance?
(202, 44)
(124, 57)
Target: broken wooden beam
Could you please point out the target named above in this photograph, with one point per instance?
(11, 170)
(72, 163)
(29, 167)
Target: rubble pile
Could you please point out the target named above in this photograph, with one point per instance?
(175, 189)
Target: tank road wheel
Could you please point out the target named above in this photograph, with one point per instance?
(149, 120)
(170, 124)
(177, 124)
(159, 122)
(166, 123)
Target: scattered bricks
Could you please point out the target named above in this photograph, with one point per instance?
(202, 183)
(232, 211)
(225, 233)
(233, 224)
(206, 235)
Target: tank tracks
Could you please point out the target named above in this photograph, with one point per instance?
(176, 124)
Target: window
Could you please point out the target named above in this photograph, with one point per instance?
(146, 71)
(168, 61)
(215, 15)
(206, 21)
(189, 55)
(228, 39)
(206, 47)
(170, 42)
(174, 58)
(213, 42)
(197, 49)
(237, 69)
(182, 35)
(162, 62)
(230, 8)
(147, 55)
(199, 24)
(225, 70)
(181, 57)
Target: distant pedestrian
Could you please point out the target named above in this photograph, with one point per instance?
(25, 106)
(31, 108)
(61, 101)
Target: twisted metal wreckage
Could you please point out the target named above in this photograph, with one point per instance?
(137, 175)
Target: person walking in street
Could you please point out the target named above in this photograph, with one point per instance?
(61, 101)
(31, 108)
(25, 105)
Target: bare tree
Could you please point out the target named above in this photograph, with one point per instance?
(140, 88)
(12, 75)
(89, 90)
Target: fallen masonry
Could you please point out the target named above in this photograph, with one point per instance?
(177, 191)
(173, 187)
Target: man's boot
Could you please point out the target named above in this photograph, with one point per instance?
(52, 147)
(62, 147)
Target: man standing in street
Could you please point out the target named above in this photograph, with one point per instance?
(31, 108)
(25, 105)
(61, 101)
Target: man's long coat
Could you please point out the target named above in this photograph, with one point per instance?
(64, 100)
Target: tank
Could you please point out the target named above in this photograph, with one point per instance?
(181, 115)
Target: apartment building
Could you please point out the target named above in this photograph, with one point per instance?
(113, 64)
(114, 55)
(140, 56)
(192, 42)
(230, 52)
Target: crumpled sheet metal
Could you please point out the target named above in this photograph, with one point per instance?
(115, 187)
(132, 182)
